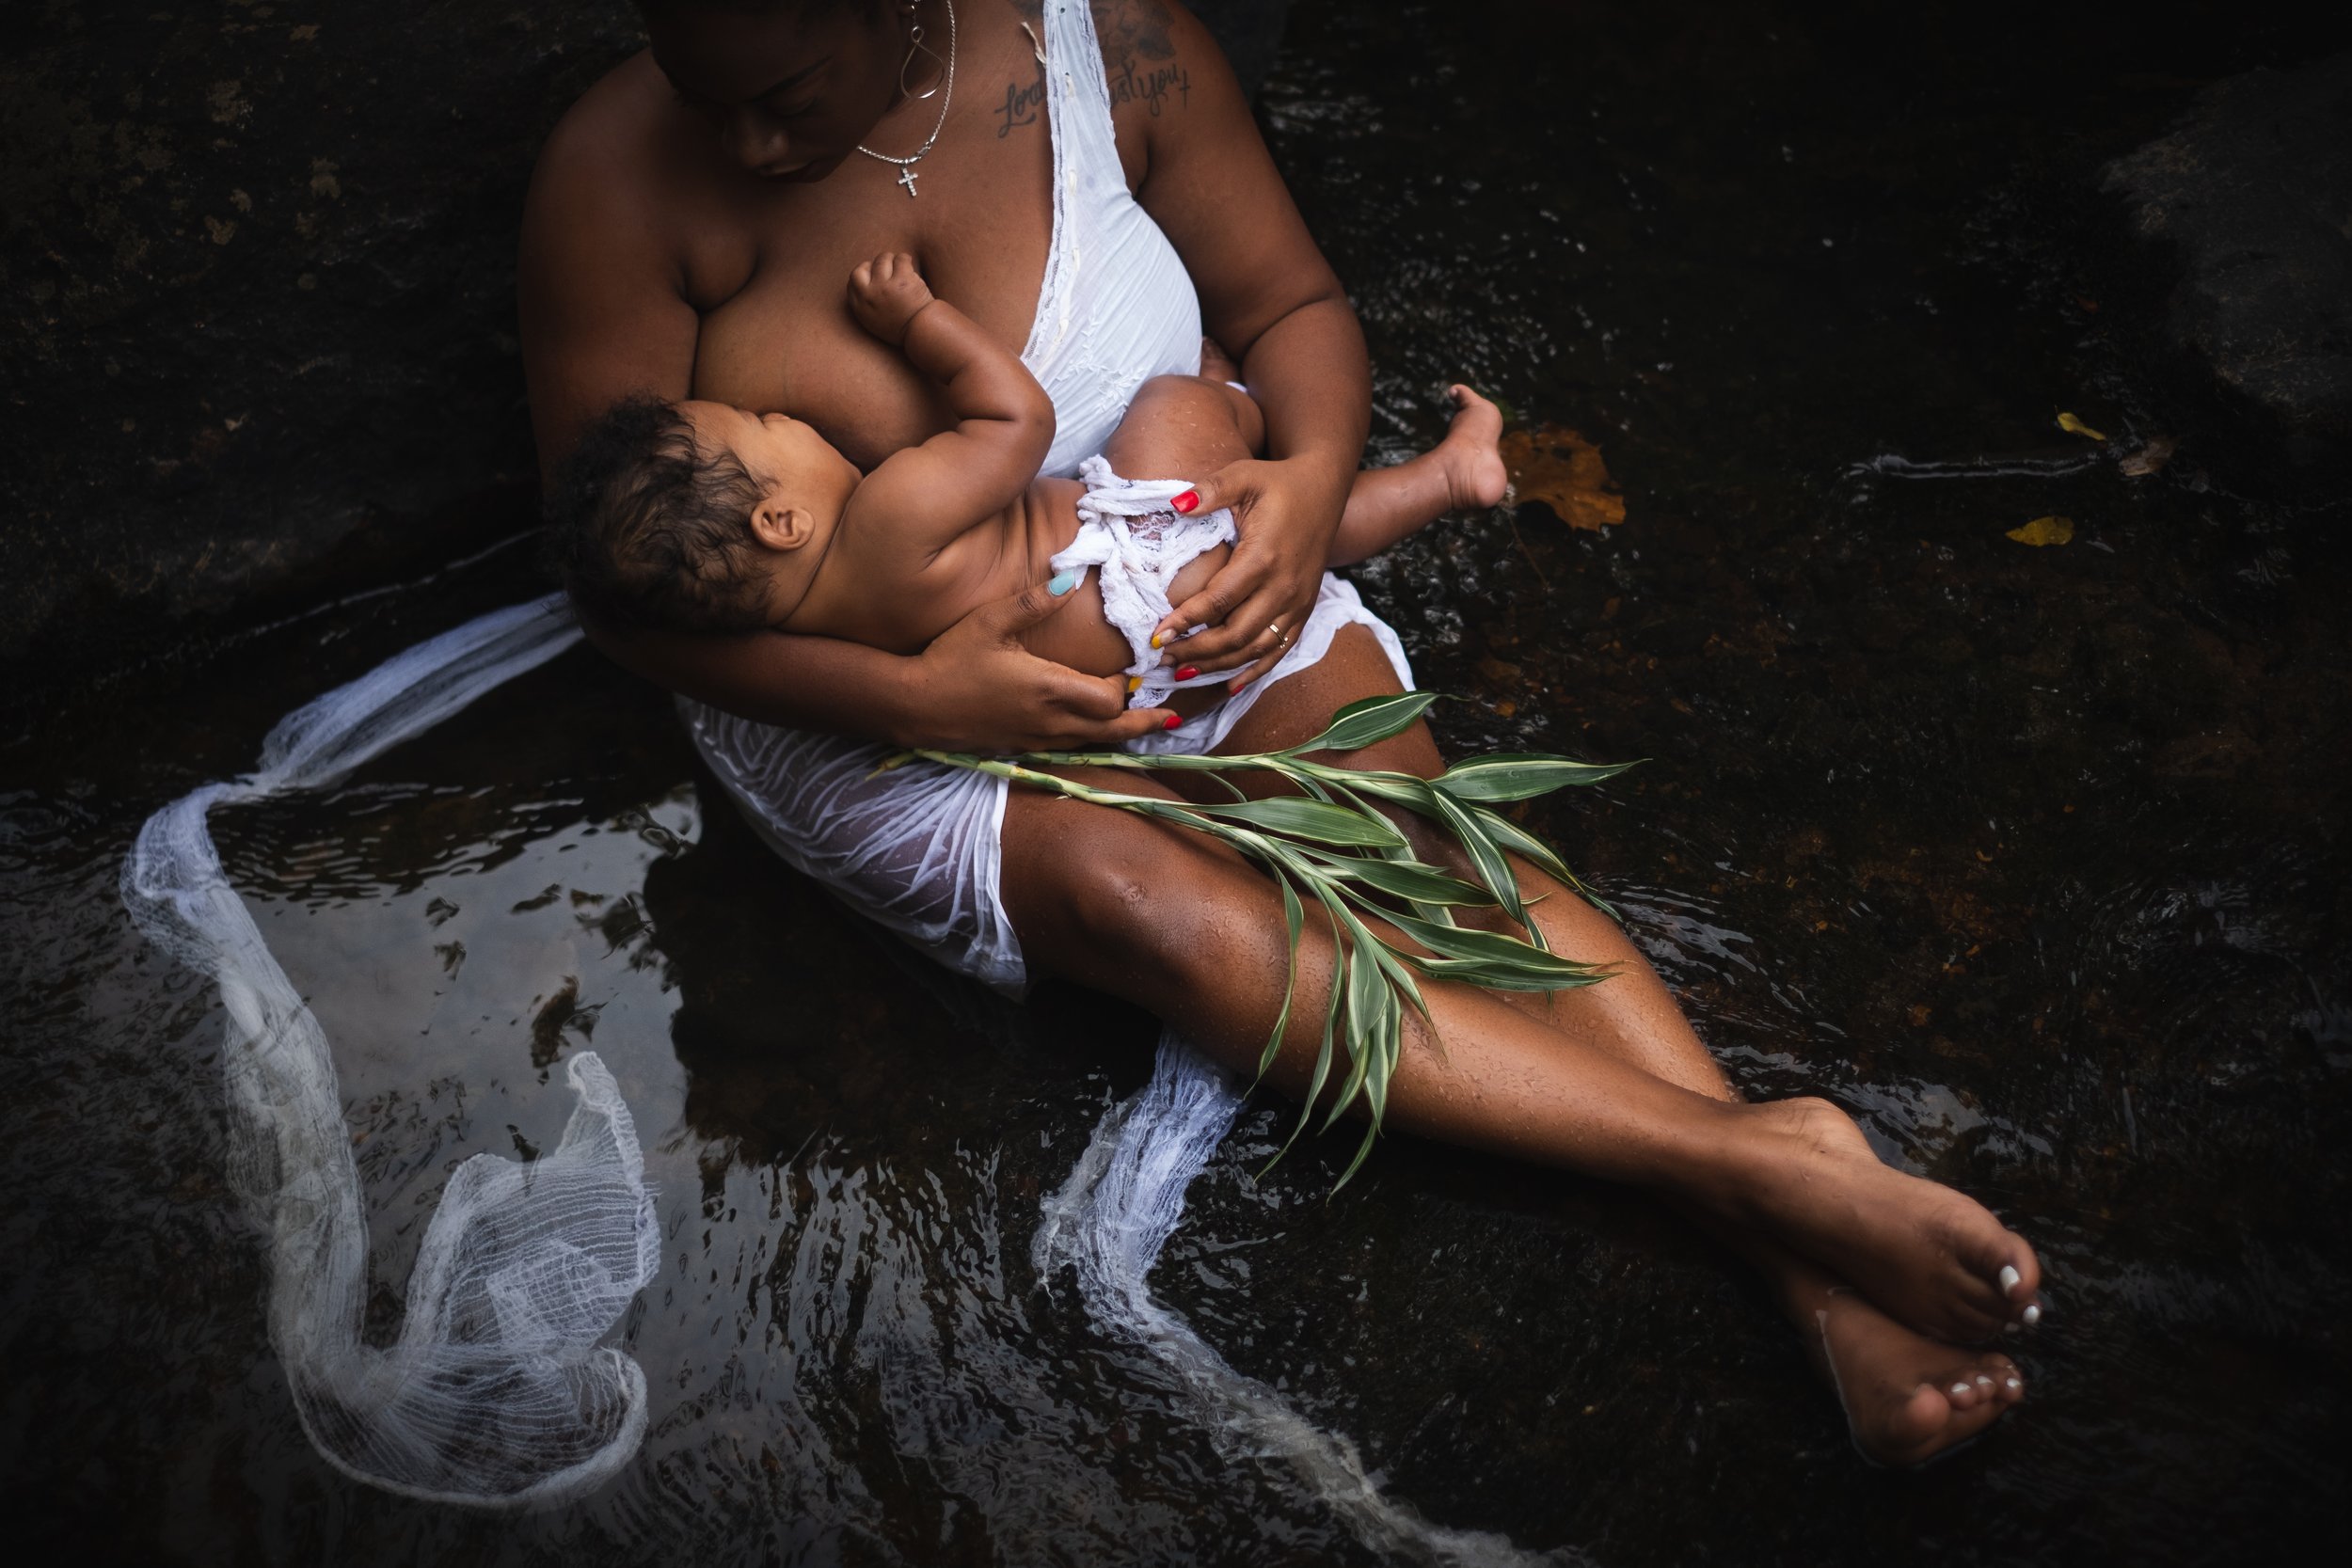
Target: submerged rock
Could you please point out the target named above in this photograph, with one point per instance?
(257, 317)
(1249, 32)
(2251, 198)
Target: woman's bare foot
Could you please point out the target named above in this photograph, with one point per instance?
(1474, 475)
(1906, 1397)
(1928, 1256)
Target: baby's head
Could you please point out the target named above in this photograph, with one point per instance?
(695, 516)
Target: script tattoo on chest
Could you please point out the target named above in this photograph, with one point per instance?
(1140, 64)
(1152, 85)
(1023, 103)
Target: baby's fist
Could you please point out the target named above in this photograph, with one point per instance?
(884, 294)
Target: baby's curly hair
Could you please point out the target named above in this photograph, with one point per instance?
(647, 530)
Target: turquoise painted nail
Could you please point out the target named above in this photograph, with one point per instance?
(1063, 582)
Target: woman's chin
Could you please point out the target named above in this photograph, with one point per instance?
(805, 174)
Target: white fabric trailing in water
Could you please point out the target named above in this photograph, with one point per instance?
(1108, 1222)
(496, 1391)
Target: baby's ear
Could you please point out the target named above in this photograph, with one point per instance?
(780, 525)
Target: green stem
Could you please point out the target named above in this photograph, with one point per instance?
(1371, 986)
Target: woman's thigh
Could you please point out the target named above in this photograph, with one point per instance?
(1083, 884)
(1296, 707)
(1071, 871)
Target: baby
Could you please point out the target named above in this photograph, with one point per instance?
(702, 517)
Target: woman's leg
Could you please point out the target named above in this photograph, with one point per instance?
(1609, 1080)
(1170, 922)
(1906, 1395)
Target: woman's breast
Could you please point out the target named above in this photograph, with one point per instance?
(776, 334)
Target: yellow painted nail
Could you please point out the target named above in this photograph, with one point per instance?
(1156, 639)
(1135, 683)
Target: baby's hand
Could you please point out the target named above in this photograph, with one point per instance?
(885, 293)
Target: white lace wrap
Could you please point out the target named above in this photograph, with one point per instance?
(1136, 544)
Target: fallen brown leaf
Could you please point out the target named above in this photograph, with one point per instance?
(1561, 469)
(2045, 530)
(2148, 459)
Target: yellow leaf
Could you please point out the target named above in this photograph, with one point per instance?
(2073, 426)
(2045, 530)
(1561, 469)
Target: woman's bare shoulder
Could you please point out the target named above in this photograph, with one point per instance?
(612, 141)
(1166, 76)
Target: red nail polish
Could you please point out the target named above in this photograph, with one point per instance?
(1170, 722)
(1187, 501)
(1187, 672)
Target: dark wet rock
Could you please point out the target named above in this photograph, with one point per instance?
(1251, 32)
(259, 339)
(2250, 202)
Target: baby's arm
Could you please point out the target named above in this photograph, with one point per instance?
(926, 496)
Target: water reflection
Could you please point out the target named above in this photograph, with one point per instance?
(2034, 859)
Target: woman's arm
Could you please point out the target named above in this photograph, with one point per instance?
(1268, 294)
(604, 314)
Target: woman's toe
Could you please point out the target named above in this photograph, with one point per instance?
(2018, 1278)
(1920, 1419)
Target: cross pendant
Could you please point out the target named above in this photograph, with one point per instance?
(906, 178)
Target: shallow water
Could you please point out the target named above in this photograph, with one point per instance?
(2033, 859)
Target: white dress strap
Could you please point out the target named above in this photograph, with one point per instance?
(1116, 305)
(1074, 63)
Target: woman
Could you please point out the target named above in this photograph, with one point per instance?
(1076, 178)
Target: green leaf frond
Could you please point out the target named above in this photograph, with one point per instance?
(1389, 916)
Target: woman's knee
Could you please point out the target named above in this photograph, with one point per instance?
(1090, 886)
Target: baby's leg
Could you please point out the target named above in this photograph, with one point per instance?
(1183, 427)
(1462, 473)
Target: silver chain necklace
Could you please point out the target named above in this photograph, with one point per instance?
(906, 165)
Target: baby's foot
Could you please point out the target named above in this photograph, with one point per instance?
(1215, 364)
(1928, 1256)
(1907, 1398)
(1474, 475)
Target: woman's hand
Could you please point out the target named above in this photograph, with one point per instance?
(1253, 609)
(977, 689)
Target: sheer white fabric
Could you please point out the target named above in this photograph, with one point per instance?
(496, 1391)
(1116, 306)
(1107, 1225)
(1136, 544)
(917, 848)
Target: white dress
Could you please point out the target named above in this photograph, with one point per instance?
(919, 848)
